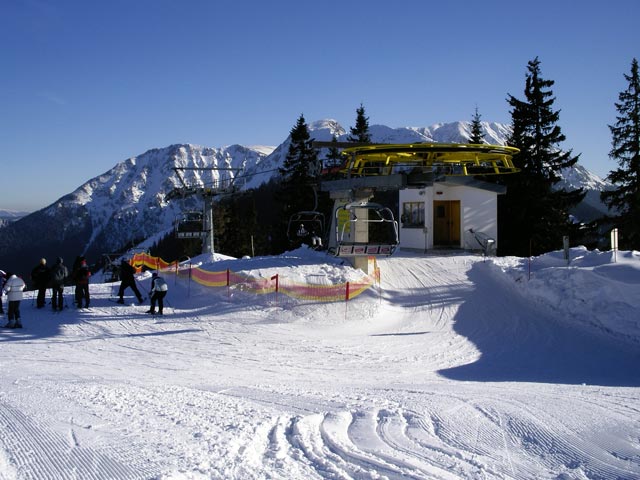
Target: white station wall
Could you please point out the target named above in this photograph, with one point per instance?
(478, 211)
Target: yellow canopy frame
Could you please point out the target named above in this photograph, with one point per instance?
(447, 158)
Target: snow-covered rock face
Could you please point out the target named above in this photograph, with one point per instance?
(580, 177)
(130, 202)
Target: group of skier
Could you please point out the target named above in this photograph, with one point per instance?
(57, 276)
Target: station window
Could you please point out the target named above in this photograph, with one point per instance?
(412, 214)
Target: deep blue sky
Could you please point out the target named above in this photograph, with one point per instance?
(85, 85)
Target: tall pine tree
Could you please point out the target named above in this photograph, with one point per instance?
(299, 174)
(477, 135)
(624, 199)
(333, 160)
(534, 214)
(334, 157)
(360, 133)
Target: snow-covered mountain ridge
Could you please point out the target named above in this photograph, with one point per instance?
(8, 216)
(128, 203)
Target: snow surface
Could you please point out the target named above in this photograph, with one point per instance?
(455, 367)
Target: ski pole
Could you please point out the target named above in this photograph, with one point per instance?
(169, 305)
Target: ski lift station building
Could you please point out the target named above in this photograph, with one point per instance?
(442, 201)
(455, 212)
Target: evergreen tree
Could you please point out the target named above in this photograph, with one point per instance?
(238, 225)
(477, 135)
(299, 172)
(534, 215)
(624, 199)
(334, 157)
(333, 160)
(360, 133)
(301, 166)
(272, 237)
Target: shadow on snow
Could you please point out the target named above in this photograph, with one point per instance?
(520, 343)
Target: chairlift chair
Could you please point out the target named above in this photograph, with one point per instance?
(311, 221)
(190, 225)
(381, 230)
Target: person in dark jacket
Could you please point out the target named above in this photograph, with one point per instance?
(81, 274)
(59, 274)
(3, 278)
(128, 281)
(40, 278)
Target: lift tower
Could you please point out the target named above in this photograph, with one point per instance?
(206, 192)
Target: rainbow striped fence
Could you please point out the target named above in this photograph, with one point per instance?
(274, 285)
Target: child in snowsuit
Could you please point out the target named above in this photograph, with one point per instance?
(13, 288)
(158, 291)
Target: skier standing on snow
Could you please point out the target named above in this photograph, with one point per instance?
(59, 274)
(13, 288)
(128, 281)
(3, 278)
(158, 291)
(81, 274)
(40, 278)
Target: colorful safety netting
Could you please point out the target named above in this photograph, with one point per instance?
(262, 285)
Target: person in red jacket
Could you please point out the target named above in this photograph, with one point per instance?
(81, 275)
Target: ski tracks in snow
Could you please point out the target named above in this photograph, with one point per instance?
(33, 451)
(479, 439)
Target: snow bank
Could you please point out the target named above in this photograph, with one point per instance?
(594, 289)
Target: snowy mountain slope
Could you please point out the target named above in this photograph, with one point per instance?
(457, 367)
(128, 203)
(124, 205)
(8, 216)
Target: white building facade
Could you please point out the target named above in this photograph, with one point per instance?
(457, 212)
